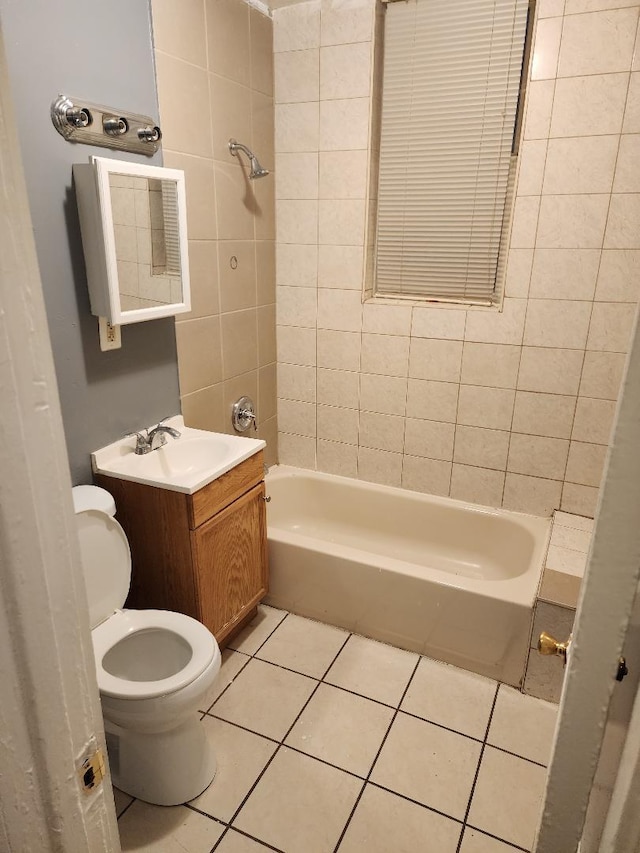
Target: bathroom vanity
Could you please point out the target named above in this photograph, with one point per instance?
(201, 552)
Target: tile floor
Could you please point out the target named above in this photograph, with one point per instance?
(327, 741)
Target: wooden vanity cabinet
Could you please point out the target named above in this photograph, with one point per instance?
(203, 554)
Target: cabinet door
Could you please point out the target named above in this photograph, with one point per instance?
(231, 562)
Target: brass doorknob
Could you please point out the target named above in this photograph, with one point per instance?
(548, 645)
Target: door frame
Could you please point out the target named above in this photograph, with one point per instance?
(49, 702)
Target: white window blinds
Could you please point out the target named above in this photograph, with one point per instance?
(450, 93)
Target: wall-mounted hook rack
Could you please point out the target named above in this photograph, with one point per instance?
(92, 124)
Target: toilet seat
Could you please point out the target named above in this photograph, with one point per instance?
(125, 623)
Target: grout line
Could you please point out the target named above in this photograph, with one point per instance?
(477, 773)
(253, 838)
(509, 844)
(127, 807)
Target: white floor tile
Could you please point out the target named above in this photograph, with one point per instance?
(341, 728)
(232, 663)
(373, 669)
(235, 842)
(303, 645)
(265, 699)
(156, 829)
(430, 764)
(523, 724)
(384, 822)
(300, 804)
(253, 636)
(451, 697)
(122, 800)
(508, 797)
(241, 757)
(475, 842)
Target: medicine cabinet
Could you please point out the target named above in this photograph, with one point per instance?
(134, 234)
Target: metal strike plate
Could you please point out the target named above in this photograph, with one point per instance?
(93, 124)
(92, 771)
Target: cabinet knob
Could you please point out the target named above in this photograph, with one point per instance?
(266, 498)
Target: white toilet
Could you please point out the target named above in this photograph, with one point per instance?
(154, 668)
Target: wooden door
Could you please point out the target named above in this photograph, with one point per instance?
(230, 552)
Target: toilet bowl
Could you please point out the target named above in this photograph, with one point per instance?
(154, 668)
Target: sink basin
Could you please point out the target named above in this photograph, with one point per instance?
(183, 464)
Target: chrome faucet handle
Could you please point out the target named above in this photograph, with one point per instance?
(142, 441)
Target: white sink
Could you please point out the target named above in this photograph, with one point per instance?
(183, 464)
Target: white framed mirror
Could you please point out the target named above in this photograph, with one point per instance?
(134, 235)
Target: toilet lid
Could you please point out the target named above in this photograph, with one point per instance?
(106, 563)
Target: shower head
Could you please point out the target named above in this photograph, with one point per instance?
(257, 171)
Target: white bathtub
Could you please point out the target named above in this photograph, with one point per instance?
(451, 580)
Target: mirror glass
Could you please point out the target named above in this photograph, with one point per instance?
(146, 232)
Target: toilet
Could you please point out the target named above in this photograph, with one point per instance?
(154, 668)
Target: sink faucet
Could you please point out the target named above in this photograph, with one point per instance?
(154, 438)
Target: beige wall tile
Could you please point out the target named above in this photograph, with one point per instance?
(174, 78)
(183, 35)
(494, 365)
(580, 164)
(340, 310)
(431, 439)
(550, 371)
(340, 266)
(564, 273)
(543, 414)
(579, 499)
(572, 221)
(602, 374)
(228, 39)
(230, 116)
(387, 394)
(344, 124)
(497, 327)
(484, 448)
(266, 335)
(544, 62)
(532, 158)
(586, 105)
(296, 450)
(297, 382)
(336, 424)
(199, 353)
(203, 272)
(381, 432)
(237, 285)
(263, 132)
(343, 174)
(611, 324)
(267, 393)
(491, 408)
(477, 485)
(426, 475)
(340, 24)
(593, 421)
(538, 456)
(539, 105)
(385, 354)
(297, 27)
(435, 359)
(558, 323)
(235, 203)
(239, 326)
(297, 76)
(261, 39)
(201, 193)
(296, 306)
(203, 409)
(336, 458)
(297, 221)
(632, 110)
(339, 350)
(341, 222)
(628, 165)
(338, 388)
(268, 431)
(597, 43)
(345, 71)
(296, 265)
(386, 319)
(623, 223)
(585, 464)
(297, 176)
(524, 222)
(430, 322)
(531, 494)
(619, 276)
(518, 272)
(296, 417)
(296, 345)
(379, 466)
(266, 271)
(437, 401)
(297, 127)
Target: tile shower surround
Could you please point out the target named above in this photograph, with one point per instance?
(214, 63)
(321, 738)
(509, 409)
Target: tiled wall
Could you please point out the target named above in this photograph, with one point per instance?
(510, 408)
(215, 81)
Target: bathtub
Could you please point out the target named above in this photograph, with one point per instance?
(450, 580)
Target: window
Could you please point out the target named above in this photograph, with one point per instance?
(451, 86)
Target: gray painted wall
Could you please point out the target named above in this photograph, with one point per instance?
(101, 51)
